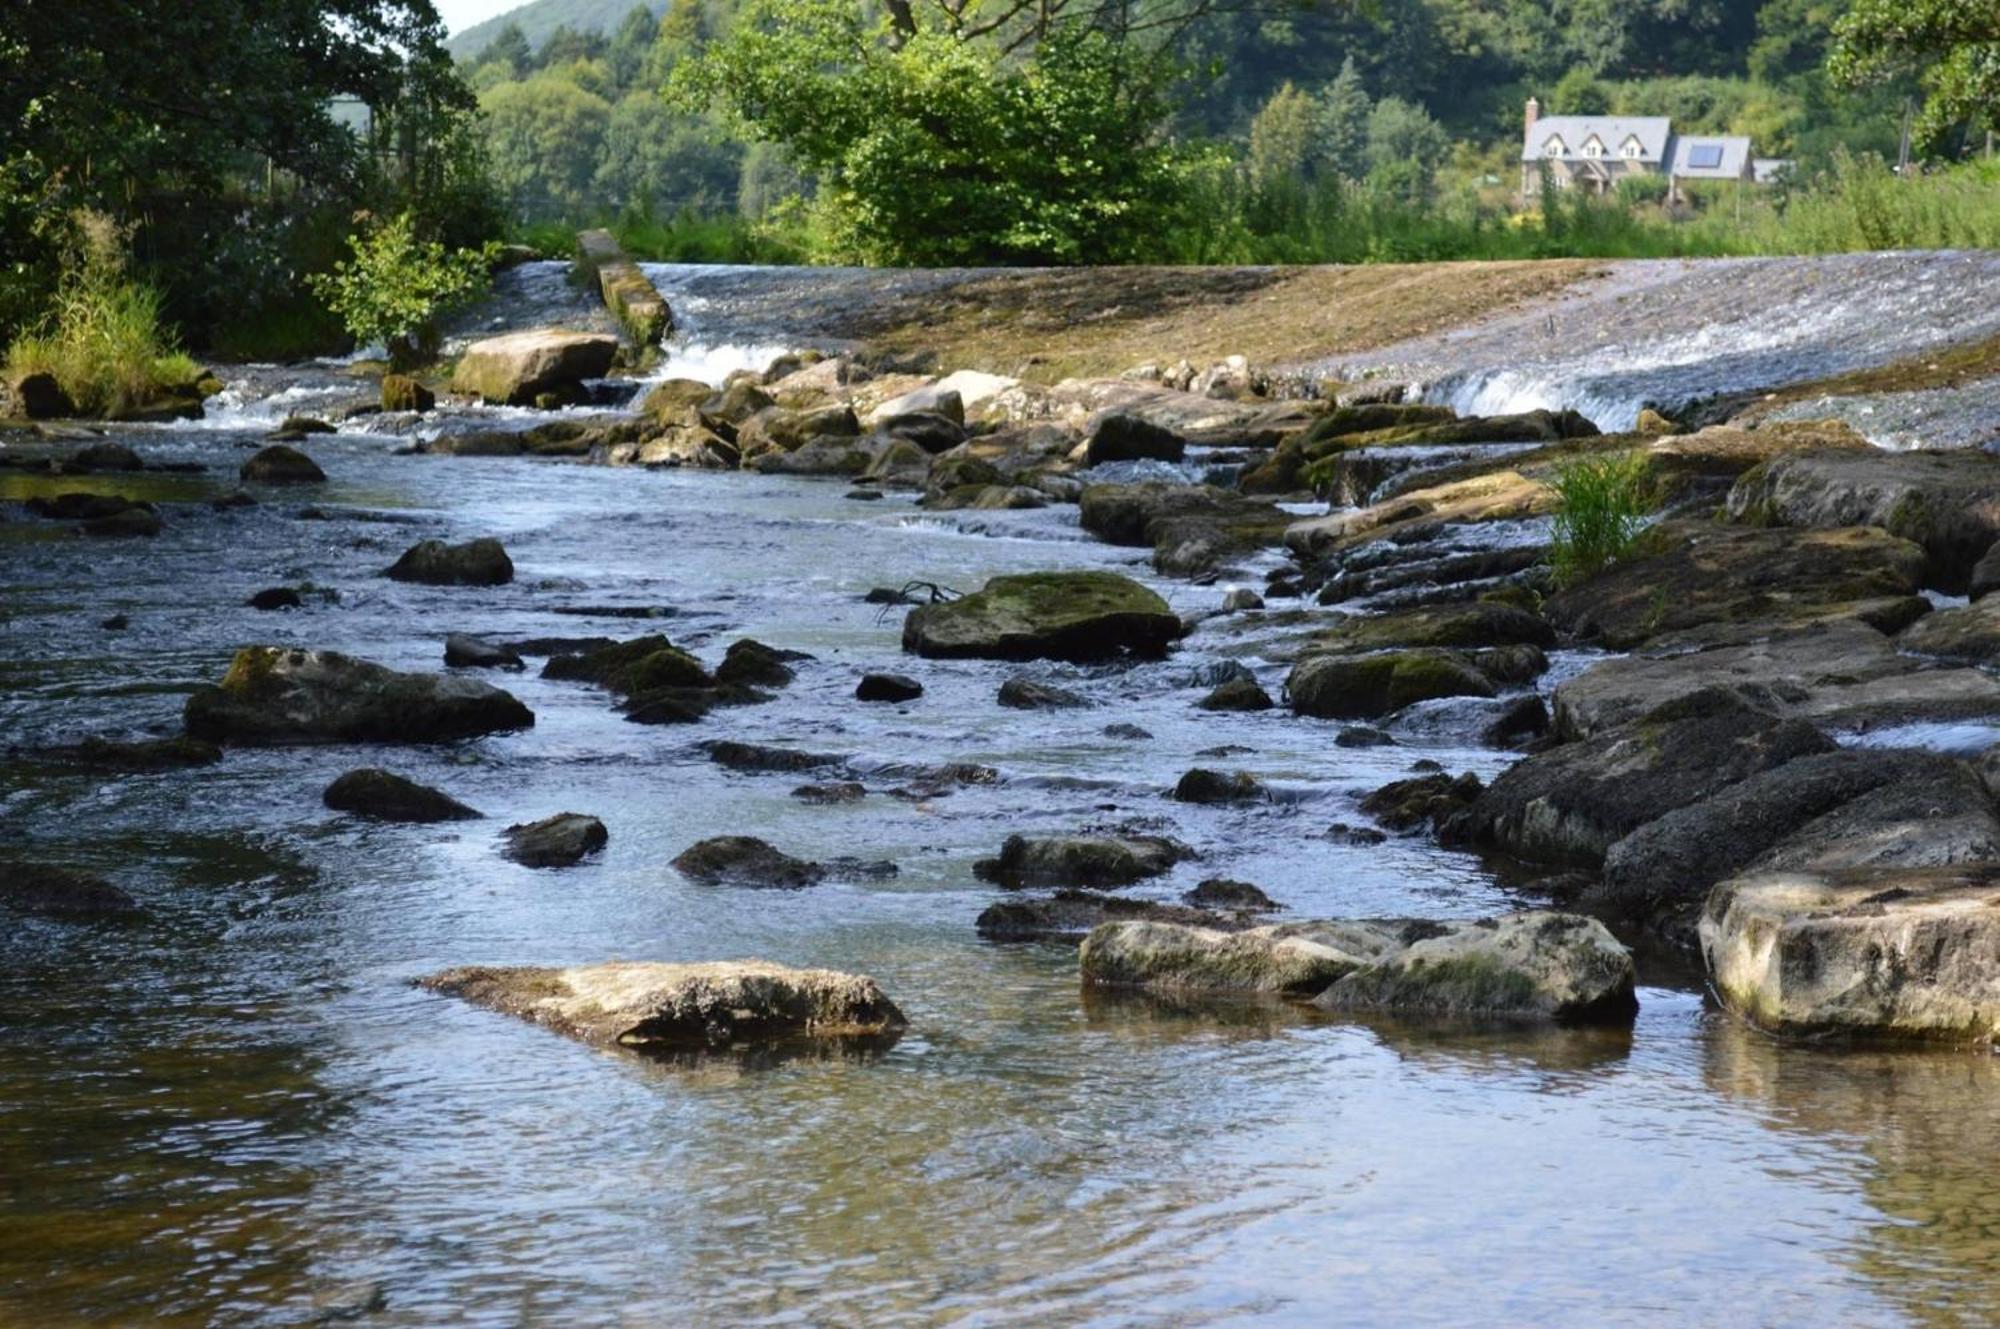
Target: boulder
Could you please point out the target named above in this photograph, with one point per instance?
(1871, 954)
(76, 505)
(1435, 799)
(1571, 803)
(403, 393)
(280, 465)
(630, 667)
(1499, 496)
(304, 424)
(105, 457)
(935, 399)
(38, 396)
(1700, 580)
(481, 562)
(1363, 687)
(927, 433)
(1189, 527)
(1025, 694)
(1843, 676)
(1112, 436)
(1202, 785)
(1240, 600)
(1237, 695)
(59, 893)
(666, 1008)
(1081, 860)
(672, 400)
(1460, 626)
(1288, 959)
(1947, 502)
(780, 430)
(827, 795)
(1222, 893)
(273, 598)
(742, 860)
(283, 695)
(561, 841)
(732, 407)
(517, 367)
(467, 652)
(1075, 616)
(749, 663)
(758, 757)
(385, 796)
(1985, 574)
(1069, 915)
(1844, 809)
(1969, 635)
(888, 687)
(133, 521)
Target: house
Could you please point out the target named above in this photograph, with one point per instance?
(1595, 152)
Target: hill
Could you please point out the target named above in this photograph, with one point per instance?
(539, 18)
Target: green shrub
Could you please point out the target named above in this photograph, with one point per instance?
(102, 340)
(396, 287)
(1605, 503)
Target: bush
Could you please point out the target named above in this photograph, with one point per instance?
(103, 341)
(1605, 503)
(396, 287)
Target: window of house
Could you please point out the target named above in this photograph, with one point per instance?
(1593, 148)
(1632, 150)
(1553, 148)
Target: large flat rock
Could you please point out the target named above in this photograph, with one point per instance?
(1866, 953)
(644, 1007)
(516, 368)
(1077, 616)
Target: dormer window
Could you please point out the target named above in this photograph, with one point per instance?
(1554, 147)
(1632, 150)
(1593, 146)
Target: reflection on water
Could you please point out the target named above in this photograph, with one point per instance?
(239, 1109)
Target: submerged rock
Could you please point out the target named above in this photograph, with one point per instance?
(385, 796)
(274, 598)
(888, 687)
(1530, 966)
(555, 842)
(1070, 915)
(467, 652)
(827, 795)
(743, 860)
(1201, 785)
(281, 465)
(1025, 694)
(144, 757)
(1222, 893)
(1893, 954)
(59, 893)
(1239, 695)
(519, 367)
(647, 1008)
(481, 562)
(1081, 860)
(750, 663)
(760, 757)
(1074, 616)
(279, 695)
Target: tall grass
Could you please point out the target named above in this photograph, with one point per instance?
(1605, 501)
(102, 340)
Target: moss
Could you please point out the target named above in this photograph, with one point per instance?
(1462, 985)
(250, 670)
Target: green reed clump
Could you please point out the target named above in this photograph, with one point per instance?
(1605, 502)
(102, 339)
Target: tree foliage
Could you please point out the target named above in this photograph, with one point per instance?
(394, 286)
(1953, 45)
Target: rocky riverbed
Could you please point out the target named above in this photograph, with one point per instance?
(1396, 862)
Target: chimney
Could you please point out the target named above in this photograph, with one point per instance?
(1534, 114)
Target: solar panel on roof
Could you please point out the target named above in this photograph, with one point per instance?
(1705, 156)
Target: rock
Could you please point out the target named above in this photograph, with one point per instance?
(1189, 527)
(630, 296)
(1948, 502)
(1025, 694)
(1434, 799)
(144, 757)
(935, 399)
(727, 410)
(1075, 616)
(927, 434)
(1070, 915)
(403, 393)
(281, 465)
(777, 429)
(750, 663)
(1874, 954)
(846, 791)
(1121, 436)
(304, 424)
(385, 796)
(742, 860)
(1459, 626)
(1723, 578)
(1970, 635)
(1363, 687)
(481, 562)
(666, 1008)
(561, 841)
(1570, 804)
(1985, 574)
(1843, 809)
(281, 695)
(1363, 736)
(1842, 676)
(757, 757)
(133, 521)
(1652, 422)
(39, 397)
(1499, 496)
(466, 652)
(1241, 599)
(275, 597)
(631, 667)
(1222, 893)
(1522, 721)
(1562, 968)
(888, 687)
(116, 623)
(672, 401)
(1357, 837)
(1081, 860)
(1201, 785)
(1288, 959)
(1129, 733)
(105, 457)
(1238, 694)
(517, 367)
(59, 893)
(1511, 666)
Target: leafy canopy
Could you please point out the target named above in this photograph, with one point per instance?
(396, 285)
(1954, 45)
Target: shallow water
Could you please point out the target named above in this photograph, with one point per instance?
(240, 1111)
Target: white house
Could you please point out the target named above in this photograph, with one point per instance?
(1595, 152)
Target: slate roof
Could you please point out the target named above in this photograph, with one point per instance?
(1652, 131)
(1724, 158)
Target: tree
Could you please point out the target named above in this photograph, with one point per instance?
(395, 285)
(510, 48)
(1953, 45)
(544, 137)
(1282, 137)
(661, 162)
(1579, 93)
(1343, 124)
(1405, 149)
(631, 45)
(566, 46)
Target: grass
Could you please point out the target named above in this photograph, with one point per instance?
(686, 237)
(1605, 501)
(103, 341)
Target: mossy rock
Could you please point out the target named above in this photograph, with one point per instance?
(1075, 616)
(1363, 687)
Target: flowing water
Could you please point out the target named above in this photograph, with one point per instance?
(239, 1111)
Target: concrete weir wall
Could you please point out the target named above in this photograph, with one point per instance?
(639, 308)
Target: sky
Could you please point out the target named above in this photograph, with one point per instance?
(459, 15)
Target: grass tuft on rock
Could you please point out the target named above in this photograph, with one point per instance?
(1604, 504)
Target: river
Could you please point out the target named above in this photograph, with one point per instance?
(239, 1110)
